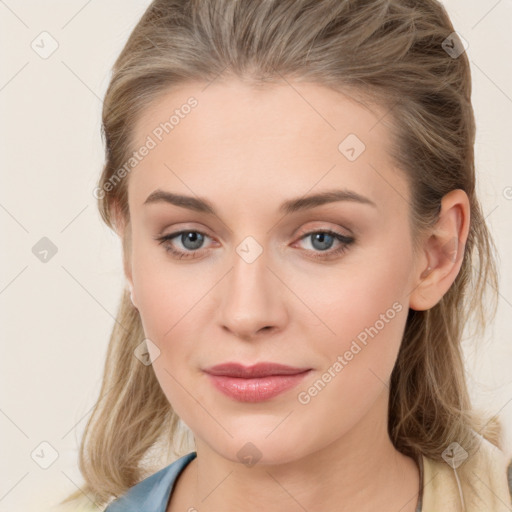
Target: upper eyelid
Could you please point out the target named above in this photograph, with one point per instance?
(299, 236)
(323, 227)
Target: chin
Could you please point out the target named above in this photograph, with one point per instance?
(250, 449)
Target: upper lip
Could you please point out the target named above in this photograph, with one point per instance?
(263, 369)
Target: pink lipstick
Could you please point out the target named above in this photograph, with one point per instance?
(256, 383)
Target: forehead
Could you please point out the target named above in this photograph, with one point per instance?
(230, 135)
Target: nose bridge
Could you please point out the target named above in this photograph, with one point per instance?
(251, 300)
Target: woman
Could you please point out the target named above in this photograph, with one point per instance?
(294, 186)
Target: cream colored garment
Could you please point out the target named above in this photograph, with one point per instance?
(488, 475)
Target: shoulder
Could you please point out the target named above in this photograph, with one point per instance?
(467, 483)
(149, 495)
(152, 493)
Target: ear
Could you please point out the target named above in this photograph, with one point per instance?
(123, 230)
(443, 251)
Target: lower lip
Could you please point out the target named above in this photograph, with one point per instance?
(258, 389)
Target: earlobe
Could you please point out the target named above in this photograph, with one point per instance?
(444, 252)
(128, 274)
(129, 282)
(130, 287)
(122, 229)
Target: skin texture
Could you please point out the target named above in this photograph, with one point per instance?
(247, 150)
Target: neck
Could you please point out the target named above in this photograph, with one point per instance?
(361, 471)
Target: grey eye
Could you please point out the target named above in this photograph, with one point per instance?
(191, 240)
(322, 241)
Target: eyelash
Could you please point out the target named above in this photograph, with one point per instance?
(331, 253)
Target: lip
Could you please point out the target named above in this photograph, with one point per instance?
(263, 369)
(255, 383)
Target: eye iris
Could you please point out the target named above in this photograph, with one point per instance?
(321, 237)
(194, 237)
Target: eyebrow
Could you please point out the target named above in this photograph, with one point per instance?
(290, 206)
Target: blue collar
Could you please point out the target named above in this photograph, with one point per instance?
(151, 494)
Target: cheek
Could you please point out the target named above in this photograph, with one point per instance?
(361, 313)
(164, 292)
(351, 298)
(368, 316)
(167, 299)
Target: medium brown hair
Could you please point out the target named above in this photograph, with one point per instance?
(389, 52)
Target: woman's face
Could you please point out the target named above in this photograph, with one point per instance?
(258, 282)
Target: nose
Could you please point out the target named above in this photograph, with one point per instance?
(252, 301)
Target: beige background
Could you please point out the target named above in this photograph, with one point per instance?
(57, 316)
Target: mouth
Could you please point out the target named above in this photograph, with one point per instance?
(265, 369)
(256, 383)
